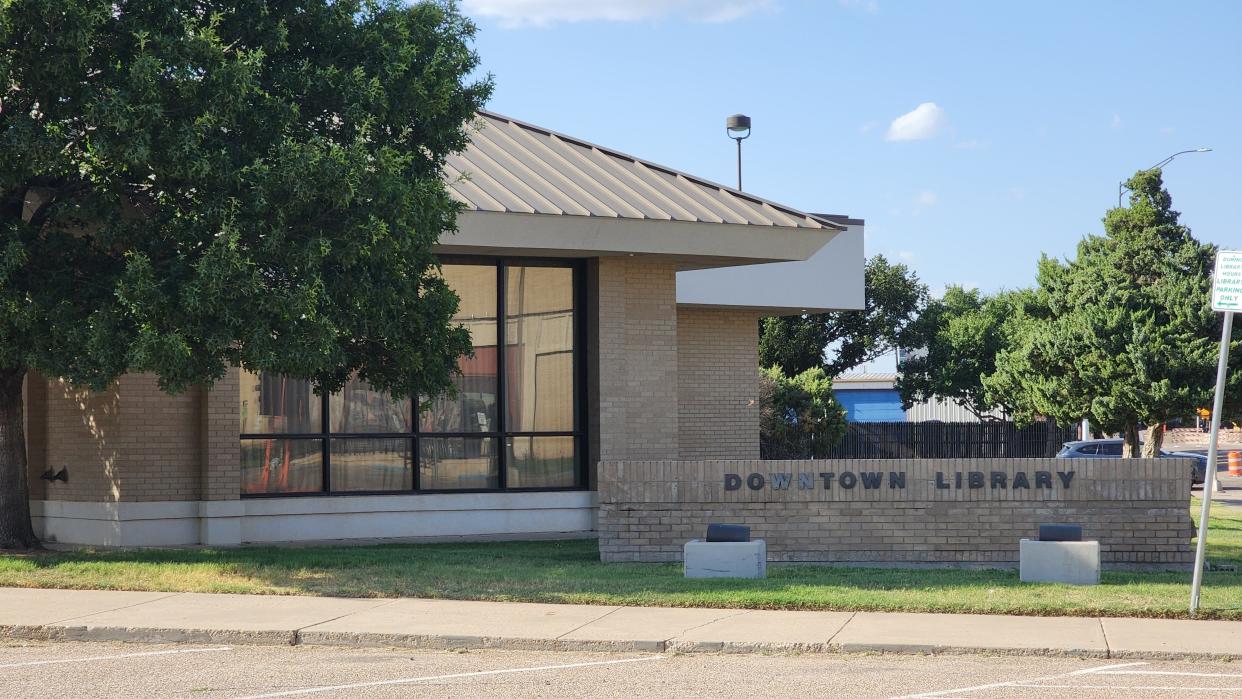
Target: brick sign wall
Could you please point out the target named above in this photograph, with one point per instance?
(968, 511)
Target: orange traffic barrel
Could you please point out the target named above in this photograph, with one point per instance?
(1235, 463)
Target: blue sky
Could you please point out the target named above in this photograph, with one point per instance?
(1039, 109)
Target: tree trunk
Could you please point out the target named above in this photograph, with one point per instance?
(1130, 449)
(1155, 438)
(16, 531)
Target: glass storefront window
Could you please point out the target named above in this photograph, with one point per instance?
(474, 407)
(541, 462)
(273, 404)
(359, 408)
(511, 423)
(380, 465)
(281, 466)
(539, 345)
(458, 463)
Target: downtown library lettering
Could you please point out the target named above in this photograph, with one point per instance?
(896, 480)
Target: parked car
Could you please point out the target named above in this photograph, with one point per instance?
(1111, 449)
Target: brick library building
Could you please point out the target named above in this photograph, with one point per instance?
(614, 308)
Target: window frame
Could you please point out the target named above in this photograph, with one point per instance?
(499, 436)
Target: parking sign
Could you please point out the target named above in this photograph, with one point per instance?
(1227, 281)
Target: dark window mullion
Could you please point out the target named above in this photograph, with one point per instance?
(326, 457)
(581, 474)
(415, 442)
(502, 377)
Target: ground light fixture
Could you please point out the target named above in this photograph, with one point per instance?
(1121, 186)
(738, 129)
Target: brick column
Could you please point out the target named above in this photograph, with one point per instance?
(221, 509)
(221, 427)
(634, 356)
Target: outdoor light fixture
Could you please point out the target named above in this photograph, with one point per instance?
(1121, 186)
(738, 129)
(63, 475)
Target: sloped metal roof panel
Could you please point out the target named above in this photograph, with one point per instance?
(511, 166)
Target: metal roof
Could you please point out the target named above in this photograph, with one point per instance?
(511, 166)
(865, 378)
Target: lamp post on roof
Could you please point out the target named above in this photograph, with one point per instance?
(1121, 186)
(738, 129)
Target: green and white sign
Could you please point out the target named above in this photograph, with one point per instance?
(1227, 281)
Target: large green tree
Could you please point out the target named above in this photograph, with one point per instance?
(842, 340)
(187, 185)
(1123, 333)
(958, 337)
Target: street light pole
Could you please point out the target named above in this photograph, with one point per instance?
(1121, 186)
(738, 128)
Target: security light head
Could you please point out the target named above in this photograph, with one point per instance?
(738, 126)
(1203, 150)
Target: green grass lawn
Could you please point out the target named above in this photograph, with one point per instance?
(570, 572)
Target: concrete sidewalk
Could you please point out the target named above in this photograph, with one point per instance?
(160, 617)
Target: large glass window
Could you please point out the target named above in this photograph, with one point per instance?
(513, 422)
(539, 344)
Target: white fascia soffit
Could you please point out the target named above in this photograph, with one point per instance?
(697, 244)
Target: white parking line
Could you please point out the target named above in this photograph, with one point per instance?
(1170, 672)
(946, 693)
(1150, 688)
(411, 680)
(114, 657)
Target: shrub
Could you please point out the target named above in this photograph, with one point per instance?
(800, 410)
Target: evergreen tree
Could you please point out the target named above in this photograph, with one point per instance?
(1123, 333)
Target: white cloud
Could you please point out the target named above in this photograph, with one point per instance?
(926, 198)
(1168, 130)
(868, 127)
(905, 255)
(541, 13)
(924, 122)
(1116, 123)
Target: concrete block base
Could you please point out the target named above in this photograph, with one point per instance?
(319, 519)
(726, 559)
(1071, 562)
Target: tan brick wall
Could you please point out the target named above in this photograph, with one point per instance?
(219, 429)
(718, 383)
(1137, 509)
(634, 359)
(132, 442)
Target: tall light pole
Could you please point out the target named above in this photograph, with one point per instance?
(738, 129)
(1121, 186)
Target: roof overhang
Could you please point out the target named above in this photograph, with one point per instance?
(696, 245)
(831, 279)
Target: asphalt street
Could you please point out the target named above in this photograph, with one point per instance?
(38, 669)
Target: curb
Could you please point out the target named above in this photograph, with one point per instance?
(450, 642)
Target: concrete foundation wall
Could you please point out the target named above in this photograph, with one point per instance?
(915, 513)
(272, 520)
(717, 384)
